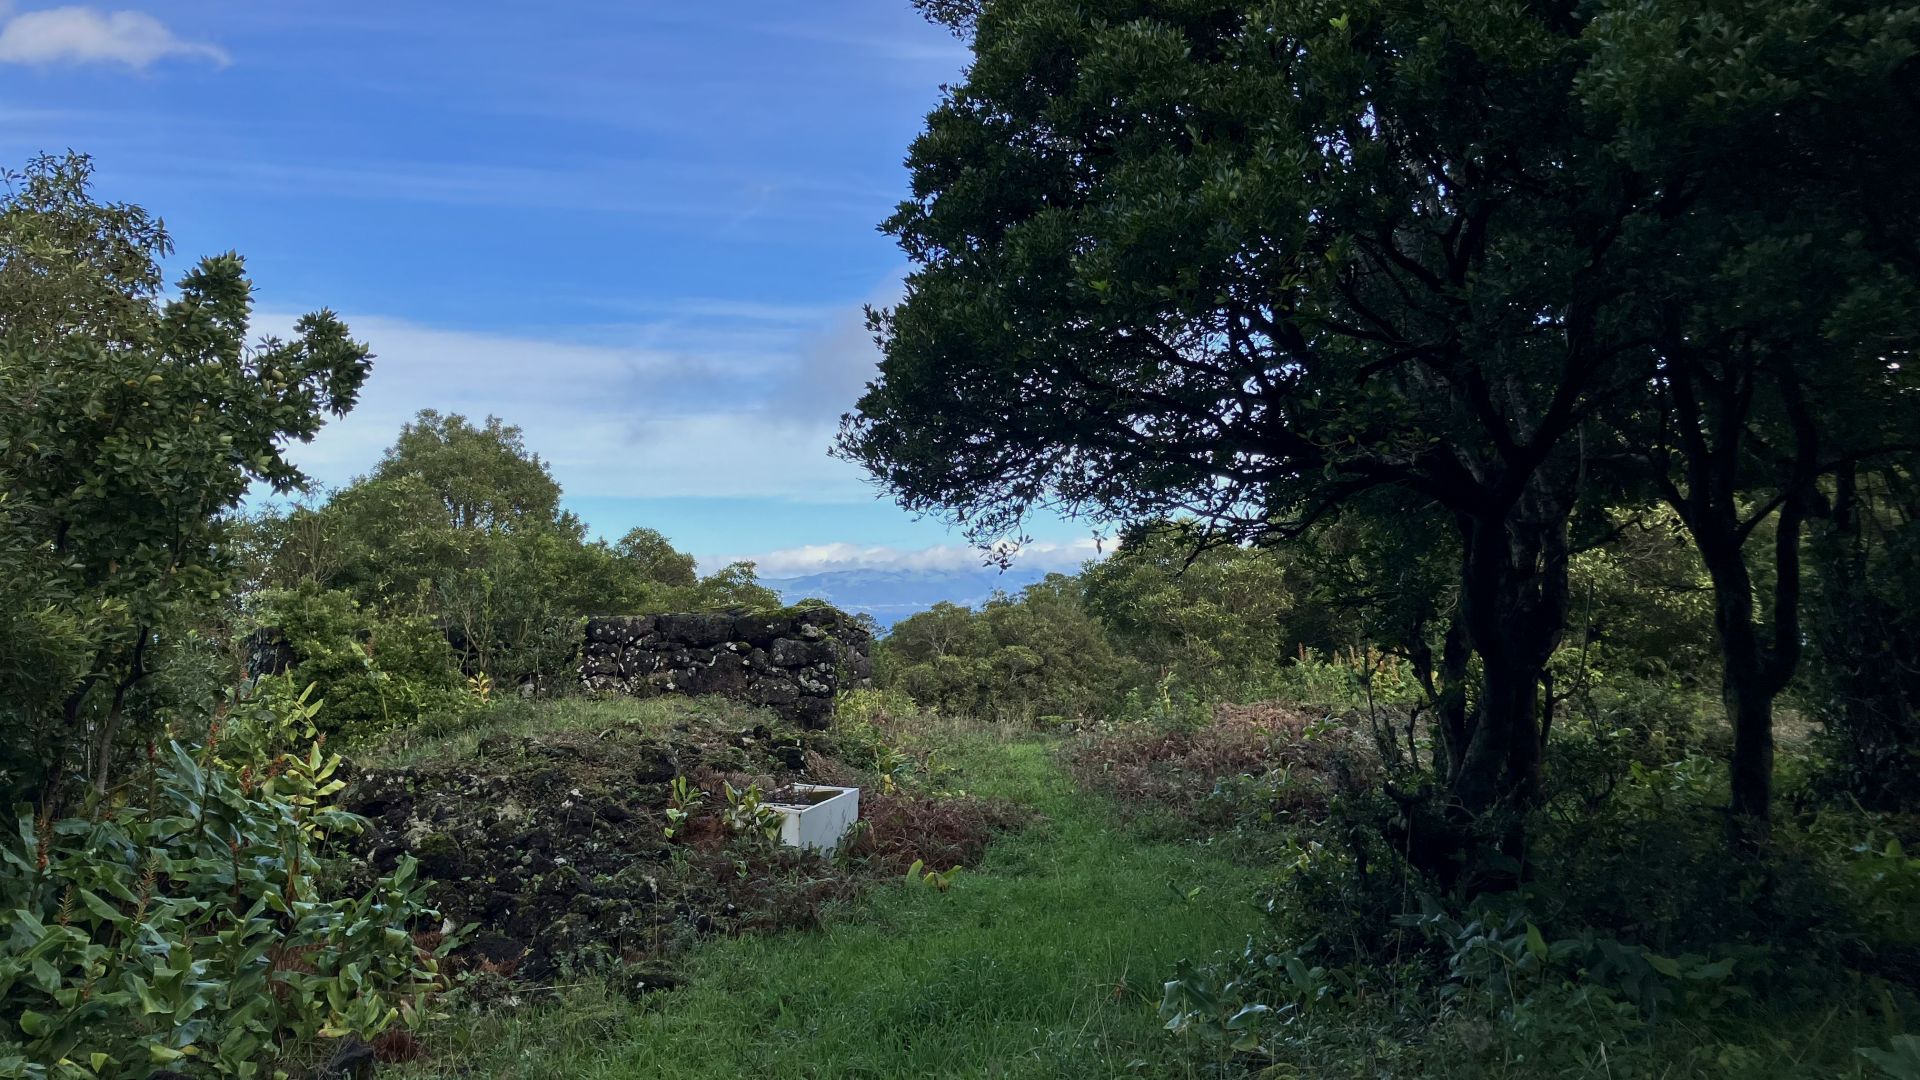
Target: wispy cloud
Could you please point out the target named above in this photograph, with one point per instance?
(944, 558)
(923, 48)
(676, 193)
(85, 35)
(676, 408)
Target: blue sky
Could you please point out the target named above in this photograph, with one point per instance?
(643, 231)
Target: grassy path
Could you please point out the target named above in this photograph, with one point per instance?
(1046, 961)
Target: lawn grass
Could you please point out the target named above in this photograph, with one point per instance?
(526, 717)
(1044, 962)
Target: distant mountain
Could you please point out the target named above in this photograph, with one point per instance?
(892, 595)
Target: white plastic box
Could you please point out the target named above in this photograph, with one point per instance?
(815, 816)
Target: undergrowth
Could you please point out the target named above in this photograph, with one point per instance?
(1636, 945)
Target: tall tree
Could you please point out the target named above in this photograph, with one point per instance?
(128, 428)
(485, 475)
(1779, 295)
(1249, 262)
(651, 555)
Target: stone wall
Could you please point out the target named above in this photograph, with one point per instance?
(790, 661)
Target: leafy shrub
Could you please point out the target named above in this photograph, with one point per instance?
(1481, 990)
(1861, 857)
(196, 924)
(374, 676)
(1168, 705)
(1041, 653)
(865, 724)
(1645, 860)
(264, 719)
(1354, 678)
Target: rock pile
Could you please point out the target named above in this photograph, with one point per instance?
(790, 661)
(555, 845)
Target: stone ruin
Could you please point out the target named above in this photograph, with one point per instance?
(790, 661)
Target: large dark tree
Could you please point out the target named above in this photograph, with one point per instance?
(1248, 262)
(1780, 294)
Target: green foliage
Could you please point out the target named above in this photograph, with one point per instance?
(197, 927)
(653, 558)
(1018, 657)
(862, 720)
(919, 875)
(683, 802)
(373, 677)
(1863, 678)
(128, 428)
(485, 478)
(747, 814)
(733, 586)
(271, 716)
(1216, 1011)
(1219, 620)
(461, 524)
(1901, 1062)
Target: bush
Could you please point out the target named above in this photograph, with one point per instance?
(1040, 653)
(374, 676)
(1354, 678)
(868, 729)
(195, 923)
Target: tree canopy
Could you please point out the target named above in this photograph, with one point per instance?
(129, 427)
(1257, 263)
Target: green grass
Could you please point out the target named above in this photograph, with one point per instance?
(1045, 961)
(516, 717)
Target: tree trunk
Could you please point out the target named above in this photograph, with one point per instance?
(1750, 709)
(109, 730)
(1713, 412)
(1513, 609)
(1514, 606)
(1752, 674)
(1449, 699)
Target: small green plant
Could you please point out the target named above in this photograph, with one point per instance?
(262, 720)
(683, 801)
(1900, 1062)
(747, 814)
(892, 764)
(1219, 1010)
(939, 880)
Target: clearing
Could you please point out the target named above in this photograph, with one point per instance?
(1045, 961)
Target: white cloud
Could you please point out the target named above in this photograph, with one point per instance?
(84, 35)
(945, 558)
(664, 409)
